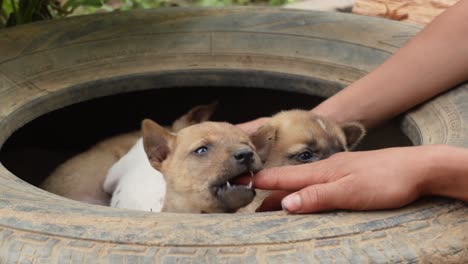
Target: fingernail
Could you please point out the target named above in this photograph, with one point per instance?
(291, 203)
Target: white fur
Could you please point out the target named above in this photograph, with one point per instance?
(134, 183)
(322, 125)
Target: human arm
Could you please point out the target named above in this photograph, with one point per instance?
(380, 179)
(435, 60)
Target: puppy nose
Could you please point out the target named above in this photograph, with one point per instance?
(244, 156)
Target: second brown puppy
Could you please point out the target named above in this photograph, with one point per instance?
(299, 137)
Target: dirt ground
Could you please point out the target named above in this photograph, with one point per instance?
(418, 11)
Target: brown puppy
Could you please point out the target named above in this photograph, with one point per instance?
(299, 137)
(81, 177)
(199, 162)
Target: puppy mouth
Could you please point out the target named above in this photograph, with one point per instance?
(233, 196)
(228, 185)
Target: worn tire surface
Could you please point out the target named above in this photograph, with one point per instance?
(49, 65)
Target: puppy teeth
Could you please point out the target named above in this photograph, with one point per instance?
(250, 185)
(251, 174)
(228, 184)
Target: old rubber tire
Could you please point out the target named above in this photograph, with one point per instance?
(46, 66)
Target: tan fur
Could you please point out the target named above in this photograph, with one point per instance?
(191, 178)
(81, 177)
(295, 131)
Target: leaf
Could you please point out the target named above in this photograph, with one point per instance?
(14, 16)
(76, 3)
(3, 15)
(7, 8)
(32, 6)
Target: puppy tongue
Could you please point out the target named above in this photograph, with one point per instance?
(245, 179)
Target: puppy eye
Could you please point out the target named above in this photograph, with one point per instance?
(306, 156)
(201, 150)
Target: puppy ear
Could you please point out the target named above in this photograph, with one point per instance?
(156, 142)
(263, 140)
(196, 115)
(354, 133)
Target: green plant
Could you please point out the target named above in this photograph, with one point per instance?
(16, 12)
(24, 11)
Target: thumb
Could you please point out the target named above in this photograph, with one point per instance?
(315, 198)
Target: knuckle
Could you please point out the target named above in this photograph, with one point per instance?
(312, 198)
(277, 176)
(340, 156)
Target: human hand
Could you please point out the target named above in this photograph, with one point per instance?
(252, 126)
(387, 178)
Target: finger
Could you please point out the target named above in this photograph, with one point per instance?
(319, 197)
(293, 178)
(272, 202)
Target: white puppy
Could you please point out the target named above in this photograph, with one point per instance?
(134, 183)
